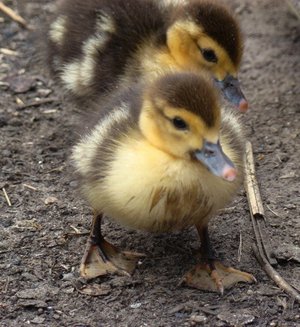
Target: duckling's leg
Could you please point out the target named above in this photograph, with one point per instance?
(102, 258)
(212, 275)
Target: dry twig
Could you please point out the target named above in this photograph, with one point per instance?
(6, 197)
(294, 7)
(37, 103)
(30, 187)
(8, 52)
(273, 274)
(261, 251)
(255, 204)
(240, 250)
(13, 15)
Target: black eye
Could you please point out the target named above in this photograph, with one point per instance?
(179, 123)
(209, 55)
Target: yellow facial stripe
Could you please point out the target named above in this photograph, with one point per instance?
(224, 64)
(185, 39)
(196, 125)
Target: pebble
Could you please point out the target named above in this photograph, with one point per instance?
(50, 200)
(198, 319)
(44, 92)
(15, 122)
(38, 320)
(236, 319)
(68, 276)
(135, 305)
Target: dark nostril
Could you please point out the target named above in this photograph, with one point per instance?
(209, 153)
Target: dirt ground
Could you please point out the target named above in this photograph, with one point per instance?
(43, 231)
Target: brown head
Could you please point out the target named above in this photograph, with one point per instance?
(206, 35)
(180, 115)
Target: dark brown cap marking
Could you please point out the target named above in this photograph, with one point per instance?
(188, 91)
(219, 24)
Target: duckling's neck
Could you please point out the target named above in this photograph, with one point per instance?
(155, 61)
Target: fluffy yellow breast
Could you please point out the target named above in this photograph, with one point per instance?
(147, 189)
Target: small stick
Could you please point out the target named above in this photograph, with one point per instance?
(38, 102)
(240, 248)
(77, 231)
(30, 187)
(276, 214)
(13, 15)
(273, 274)
(8, 52)
(294, 7)
(253, 194)
(6, 197)
(257, 211)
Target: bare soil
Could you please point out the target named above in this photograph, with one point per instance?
(44, 231)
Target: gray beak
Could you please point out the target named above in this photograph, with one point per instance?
(216, 161)
(230, 86)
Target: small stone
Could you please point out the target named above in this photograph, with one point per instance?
(21, 84)
(135, 305)
(198, 319)
(69, 290)
(68, 277)
(15, 122)
(38, 320)
(50, 200)
(236, 318)
(44, 92)
(73, 184)
(288, 252)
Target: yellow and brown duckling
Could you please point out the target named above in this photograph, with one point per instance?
(161, 158)
(97, 46)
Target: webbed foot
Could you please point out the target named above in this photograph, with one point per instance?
(104, 258)
(214, 276)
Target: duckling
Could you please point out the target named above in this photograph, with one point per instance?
(161, 158)
(96, 46)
